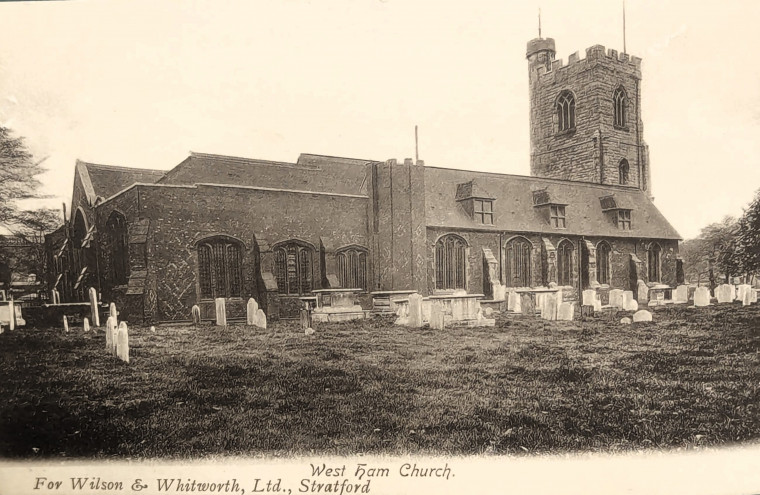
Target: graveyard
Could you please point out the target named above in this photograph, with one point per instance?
(521, 385)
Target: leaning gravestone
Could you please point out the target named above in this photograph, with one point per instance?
(196, 312)
(221, 312)
(86, 325)
(702, 297)
(122, 342)
(65, 324)
(616, 298)
(415, 311)
(642, 315)
(250, 311)
(110, 334)
(682, 294)
(437, 321)
(94, 307)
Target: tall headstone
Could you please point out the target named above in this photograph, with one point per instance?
(616, 298)
(260, 319)
(65, 323)
(250, 311)
(94, 306)
(122, 342)
(437, 320)
(12, 317)
(747, 296)
(111, 334)
(221, 312)
(86, 325)
(643, 292)
(682, 294)
(724, 293)
(527, 305)
(629, 302)
(415, 310)
(196, 312)
(741, 290)
(112, 311)
(753, 295)
(513, 302)
(549, 307)
(702, 296)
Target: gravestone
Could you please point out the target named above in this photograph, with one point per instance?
(589, 297)
(741, 290)
(499, 292)
(587, 311)
(110, 334)
(250, 311)
(305, 318)
(457, 309)
(437, 320)
(86, 325)
(702, 297)
(260, 319)
(513, 302)
(566, 311)
(221, 312)
(746, 296)
(415, 311)
(616, 298)
(629, 303)
(527, 305)
(122, 342)
(642, 289)
(309, 331)
(549, 307)
(732, 292)
(753, 295)
(196, 312)
(641, 316)
(724, 293)
(94, 306)
(625, 321)
(65, 324)
(152, 329)
(597, 303)
(112, 311)
(682, 294)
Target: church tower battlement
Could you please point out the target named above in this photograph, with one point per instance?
(585, 116)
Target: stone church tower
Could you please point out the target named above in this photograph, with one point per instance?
(585, 117)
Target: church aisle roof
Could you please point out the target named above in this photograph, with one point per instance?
(106, 180)
(514, 208)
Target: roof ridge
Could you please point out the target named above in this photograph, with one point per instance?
(119, 167)
(238, 158)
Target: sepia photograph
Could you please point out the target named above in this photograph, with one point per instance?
(381, 246)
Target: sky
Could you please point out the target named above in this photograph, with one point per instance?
(142, 83)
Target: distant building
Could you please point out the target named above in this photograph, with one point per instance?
(158, 242)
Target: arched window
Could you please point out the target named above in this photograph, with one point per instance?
(565, 111)
(220, 268)
(565, 263)
(603, 274)
(294, 265)
(119, 248)
(653, 262)
(450, 262)
(623, 170)
(519, 252)
(352, 268)
(619, 101)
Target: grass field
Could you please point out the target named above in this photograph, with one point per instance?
(691, 378)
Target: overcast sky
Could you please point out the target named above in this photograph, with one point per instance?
(142, 83)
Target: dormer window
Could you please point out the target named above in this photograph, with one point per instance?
(624, 219)
(557, 216)
(483, 211)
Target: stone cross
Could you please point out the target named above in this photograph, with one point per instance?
(94, 306)
(86, 325)
(702, 296)
(111, 334)
(122, 342)
(196, 312)
(65, 323)
(221, 312)
(415, 311)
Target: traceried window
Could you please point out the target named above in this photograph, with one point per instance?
(220, 268)
(352, 268)
(483, 211)
(653, 262)
(619, 101)
(518, 257)
(603, 251)
(294, 263)
(450, 262)
(623, 170)
(565, 263)
(565, 111)
(119, 248)
(624, 219)
(557, 216)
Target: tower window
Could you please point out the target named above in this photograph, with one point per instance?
(623, 169)
(450, 262)
(483, 211)
(557, 216)
(619, 100)
(624, 219)
(565, 111)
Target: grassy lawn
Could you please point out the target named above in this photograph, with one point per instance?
(691, 378)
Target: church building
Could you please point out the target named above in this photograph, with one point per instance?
(158, 242)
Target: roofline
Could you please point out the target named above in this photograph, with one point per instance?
(230, 186)
(119, 167)
(366, 160)
(235, 159)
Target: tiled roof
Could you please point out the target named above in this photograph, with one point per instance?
(514, 210)
(107, 180)
(311, 173)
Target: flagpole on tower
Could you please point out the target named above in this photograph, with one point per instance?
(624, 49)
(539, 22)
